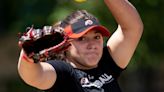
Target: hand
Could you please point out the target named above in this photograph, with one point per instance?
(40, 43)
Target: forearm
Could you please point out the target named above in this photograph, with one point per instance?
(41, 75)
(125, 14)
(29, 72)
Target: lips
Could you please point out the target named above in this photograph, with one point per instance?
(92, 54)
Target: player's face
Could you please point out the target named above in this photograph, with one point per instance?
(86, 51)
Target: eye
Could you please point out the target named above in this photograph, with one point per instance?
(81, 39)
(97, 37)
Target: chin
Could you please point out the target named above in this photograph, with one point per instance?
(92, 64)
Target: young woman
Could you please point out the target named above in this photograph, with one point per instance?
(88, 65)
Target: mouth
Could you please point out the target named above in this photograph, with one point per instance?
(92, 54)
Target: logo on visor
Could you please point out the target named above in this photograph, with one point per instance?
(88, 22)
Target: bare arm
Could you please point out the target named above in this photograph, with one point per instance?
(124, 40)
(41, 75)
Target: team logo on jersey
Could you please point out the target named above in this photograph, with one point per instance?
(93, 83)
(97, 83)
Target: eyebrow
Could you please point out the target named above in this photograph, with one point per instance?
(96, 31)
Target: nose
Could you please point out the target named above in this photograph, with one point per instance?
(91, 44)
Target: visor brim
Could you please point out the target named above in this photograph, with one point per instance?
(104, 31)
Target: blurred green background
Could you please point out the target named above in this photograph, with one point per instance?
(145, 73)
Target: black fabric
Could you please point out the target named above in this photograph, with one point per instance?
(100, 79)
(65, 81)
(81, 25)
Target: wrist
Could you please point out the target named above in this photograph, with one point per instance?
(25, 58)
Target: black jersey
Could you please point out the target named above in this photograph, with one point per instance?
(100, 79)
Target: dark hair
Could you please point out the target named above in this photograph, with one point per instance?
(75, 16)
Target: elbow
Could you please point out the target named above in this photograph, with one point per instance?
(139, 26)
(140, 29)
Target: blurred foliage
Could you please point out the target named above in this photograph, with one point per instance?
(16, 15)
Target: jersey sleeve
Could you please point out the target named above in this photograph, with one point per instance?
(108, 64)
(62, 68)
(63, 71)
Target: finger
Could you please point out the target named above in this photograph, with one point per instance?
(47, 30)
(36, 34)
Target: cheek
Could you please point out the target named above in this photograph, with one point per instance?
(74, 50)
